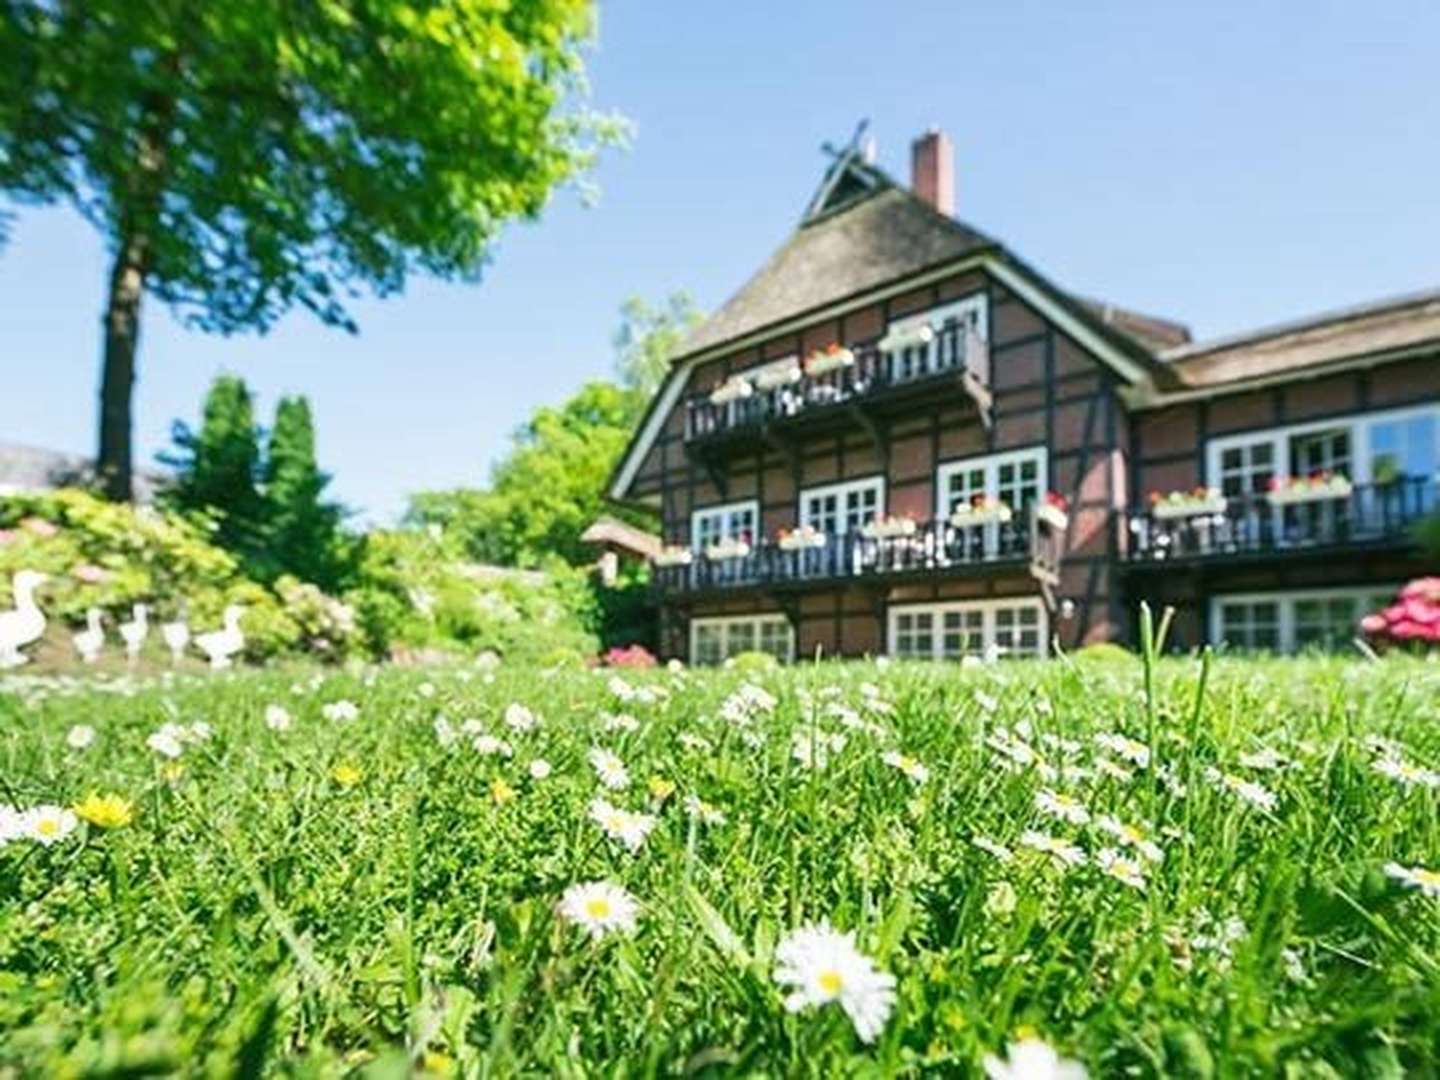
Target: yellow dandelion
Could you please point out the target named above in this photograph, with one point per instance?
(501, 792)
(660, 788)
(346, 775)
(105, 811)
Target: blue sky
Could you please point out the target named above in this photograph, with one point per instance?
(1229, 165)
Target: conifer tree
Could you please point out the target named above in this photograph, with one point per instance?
(301, 528)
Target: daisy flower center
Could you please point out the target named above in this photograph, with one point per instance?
(47, 827)
(597, 908)
(830, 981)
(1428, 877)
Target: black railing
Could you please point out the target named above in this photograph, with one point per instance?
(933, 546)
(1255, 525)
(953, 349)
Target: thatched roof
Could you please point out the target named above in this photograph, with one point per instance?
(1358, 333)
(608, 532)
(870, 232)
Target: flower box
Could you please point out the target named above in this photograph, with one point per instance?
(913, 338)
(1054, 511)
(773, 378)
(729, 548)
(1202, 502)
(888, 528)
(981, 510)
(800, 539)
(674, 556)
(732, 389)
(831, 358)
(1289, 491)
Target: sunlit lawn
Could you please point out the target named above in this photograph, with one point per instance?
(1153, 885)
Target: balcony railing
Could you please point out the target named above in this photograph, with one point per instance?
(933, 546)
(954, 350)
(1254, 525)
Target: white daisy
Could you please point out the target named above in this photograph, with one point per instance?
(12, 824)
(165, 742)
(599, 908)
(1137, 753)
(1131, 835)
(813, 748)
(539, 769)
(1406, 773)
(1416, 877)
(911, 767)
(994, 847)
(985, 701)
(1121, 868)
(1032, 1059)
(519, 718)
(426, 689)
(1062, 806)
(49, 824)
(620, 722)
(444, 732)
(620, 824)
(610, 769)
(690, 741)
(1062, 851)
(1114, 770)
(471, 726)
(1249, 791)
(80, 737)
(277, 718)
(1265, 760)
(340, 710)
(491, 746)
(820, 965)
(698, 808)
(199, 731)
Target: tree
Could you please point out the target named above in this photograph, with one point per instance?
(241, 157)
(217, 470)
(302, 530)
(649, 337)
(551, 485)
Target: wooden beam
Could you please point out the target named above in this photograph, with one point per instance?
(980, 394)
(712, 470)
(874, 429)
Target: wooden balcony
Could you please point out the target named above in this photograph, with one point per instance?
(1372, 517)
(859, 392)
(935, 547)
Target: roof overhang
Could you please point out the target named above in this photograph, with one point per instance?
(1020, 280)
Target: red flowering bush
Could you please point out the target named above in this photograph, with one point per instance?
(629, 656)
(1414, 617)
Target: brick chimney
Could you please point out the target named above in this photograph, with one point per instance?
(932, 170)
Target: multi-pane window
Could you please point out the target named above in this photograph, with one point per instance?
(1289, 622)
(842, 508)
(713, 641)
(1246, 469)
(734, 521)
(1016, 477)
(950, 631)
(1320, 451)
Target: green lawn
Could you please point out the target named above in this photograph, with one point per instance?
(379, 893)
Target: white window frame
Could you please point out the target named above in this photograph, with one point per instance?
(936, 317)
(725, 622)
(840, 491)
(727, 512)
(1358, 424)
(987, 608)
(1285, 601)
(991, 463)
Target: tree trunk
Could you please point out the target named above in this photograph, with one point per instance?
(114, 465)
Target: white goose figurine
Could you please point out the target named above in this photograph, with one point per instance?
(177, 636)
(25, 623)
(91, 640)
(220, 645)
(135, 631)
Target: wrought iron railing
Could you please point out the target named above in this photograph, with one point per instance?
(1257, 525)
(953, 349)
(933, 546)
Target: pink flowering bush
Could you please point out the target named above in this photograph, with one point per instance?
(1413, 618)
(629, 656)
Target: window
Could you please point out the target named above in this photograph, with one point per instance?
(1325, 619)
(953, 325)
(983, 628)
(715, 640)
(733, 521)
(842, 508)
(1371, 448)
(1016, 477)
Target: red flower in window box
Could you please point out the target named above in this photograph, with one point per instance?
(1054, 510)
